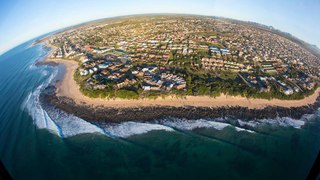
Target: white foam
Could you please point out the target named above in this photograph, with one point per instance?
(308, 117)
(66, 125)
(279, 121)
(184, 124)
(284, 122)
(127, 129)
(56, 121)
(44, 73)
(243, 129)
(70, 125)
(248, 123)
(40, 117)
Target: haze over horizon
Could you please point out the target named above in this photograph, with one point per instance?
(24, 20)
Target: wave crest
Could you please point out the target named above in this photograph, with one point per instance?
(67, 125)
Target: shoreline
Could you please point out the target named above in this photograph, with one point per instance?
(112, 111)
(65, 95)
(99, 114)
(70, 89)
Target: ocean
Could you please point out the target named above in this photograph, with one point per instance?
(51, 144)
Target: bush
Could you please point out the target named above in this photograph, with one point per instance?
(127, 94)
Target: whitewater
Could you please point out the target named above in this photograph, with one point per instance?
(40, 141)
(66, 125)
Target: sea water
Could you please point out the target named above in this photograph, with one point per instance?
(51, 144)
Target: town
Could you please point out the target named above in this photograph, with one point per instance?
(186, 55)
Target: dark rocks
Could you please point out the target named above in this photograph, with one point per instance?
(50, 63)
(116, 115)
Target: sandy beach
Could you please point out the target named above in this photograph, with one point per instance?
(69, 88)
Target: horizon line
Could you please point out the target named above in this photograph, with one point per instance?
(58, 30)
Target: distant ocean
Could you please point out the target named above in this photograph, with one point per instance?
(51, 144)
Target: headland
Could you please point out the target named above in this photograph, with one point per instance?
(187, 85)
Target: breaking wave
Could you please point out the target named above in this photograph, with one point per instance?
(127, 129)
(279, 121)
(185, 124)
(54, 120)
(40, 117)
(67, 125)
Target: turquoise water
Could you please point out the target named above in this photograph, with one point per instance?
(39, 144)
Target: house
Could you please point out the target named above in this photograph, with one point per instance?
(135, 72)
(155, 88)
(146, 88)
(99, 86)
(103, 65)
(181, 86)
(288, 91)
(85, 60)
(169, 87)
(84, 72)
(159, 82)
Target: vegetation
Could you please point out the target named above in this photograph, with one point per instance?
(203, 83)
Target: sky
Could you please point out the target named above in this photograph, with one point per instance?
(22, 20)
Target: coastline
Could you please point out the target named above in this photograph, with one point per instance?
(66, 96)
(100, 114)
(70, 89)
